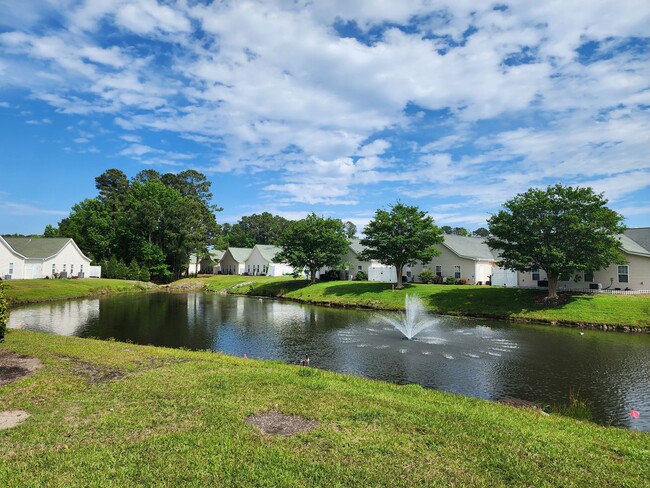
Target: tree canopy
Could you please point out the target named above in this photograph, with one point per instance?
(153, 221)
(312, 243)
(401, 237)
(263, 228)
(560, 230)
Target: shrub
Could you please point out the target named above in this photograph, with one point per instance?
(331, 275)
(437, 280)
(577, 408)
(361, 276)
(4, 313)
(451, 280)
(461, 281)
(427, 276)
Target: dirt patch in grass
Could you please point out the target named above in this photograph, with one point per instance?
(280, 424)
(14, 367)
(12, 418)
(94, 374)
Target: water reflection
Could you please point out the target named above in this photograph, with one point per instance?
(477, 358)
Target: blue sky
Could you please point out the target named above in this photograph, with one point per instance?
(336, 107)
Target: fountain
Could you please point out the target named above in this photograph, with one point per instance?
(415, 320)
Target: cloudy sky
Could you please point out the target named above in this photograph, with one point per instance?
(334, 106)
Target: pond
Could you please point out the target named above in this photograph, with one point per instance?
(479, 358)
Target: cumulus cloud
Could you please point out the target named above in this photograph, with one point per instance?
(331, 98)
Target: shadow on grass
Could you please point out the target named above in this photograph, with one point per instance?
(357, 288)
(277, 288)
(488, 301)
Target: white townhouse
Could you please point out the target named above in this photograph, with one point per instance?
(43, 257)
(468, 258)
(234, 259)
(261, 262)
(631, 274)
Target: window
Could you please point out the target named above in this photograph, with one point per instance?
(359, 268)
(81, 269)
(623, 274)
(535, 275)
(72, 269)
(456, 271)
(438, 270)
(64, 268)
(53, 268)
(11, 268)
(589, 277)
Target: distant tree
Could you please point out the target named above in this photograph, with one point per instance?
(446, 229)
(51, 231)
(113, 186)
(401, 237)
(312, 243)
(264, 228)
(133, 271)
(92, 227)
(481, 232)
(350, 229)
(460, 231)
(560, 230)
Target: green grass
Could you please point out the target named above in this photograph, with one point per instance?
(177, 418)
(28, 291)
(480, 301)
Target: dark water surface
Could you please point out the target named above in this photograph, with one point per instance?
(480, 358)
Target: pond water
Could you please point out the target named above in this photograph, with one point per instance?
(480, 358)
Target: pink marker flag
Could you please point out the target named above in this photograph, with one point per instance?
(635, 414)
(245, 357)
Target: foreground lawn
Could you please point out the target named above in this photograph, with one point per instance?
(27, 291)
(116, 414)
(482, 301)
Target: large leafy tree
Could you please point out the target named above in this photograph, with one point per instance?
(312, 243)
(560, 230)
(264, 228)
(156, 219)
(400, 237)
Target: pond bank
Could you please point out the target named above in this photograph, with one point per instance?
(186, 412)
(622, 313)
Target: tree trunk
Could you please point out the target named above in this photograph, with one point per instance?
(313, 276)
(552, 286)
(399, 268)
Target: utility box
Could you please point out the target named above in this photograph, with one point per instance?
(7, 277)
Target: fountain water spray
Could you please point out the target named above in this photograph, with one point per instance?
(415, 320)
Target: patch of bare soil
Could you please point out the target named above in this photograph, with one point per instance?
(561, 299)
(517, 403)
(281, 424)
(14, 366)
(94, 374)
(12, 418)
(190, 285)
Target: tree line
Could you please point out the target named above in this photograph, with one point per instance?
(150, 223)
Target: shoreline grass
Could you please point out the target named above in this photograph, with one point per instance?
(116, 414)
(621, 312)
(20, 292)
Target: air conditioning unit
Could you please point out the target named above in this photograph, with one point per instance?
(7, 277)
(595, 286)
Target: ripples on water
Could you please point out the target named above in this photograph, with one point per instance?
(477, 358)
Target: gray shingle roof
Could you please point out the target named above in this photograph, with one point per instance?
(355, 245)
(37, 247)
(240, 254)
(641, 236)
(632, 246)
(268, 252)
(469, 247)
(216, 255)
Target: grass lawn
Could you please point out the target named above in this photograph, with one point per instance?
(27, 291)
(497, 302)
(116, 414)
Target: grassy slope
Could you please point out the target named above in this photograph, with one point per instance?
(176, 418)
(622, 310)
(27, 291)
